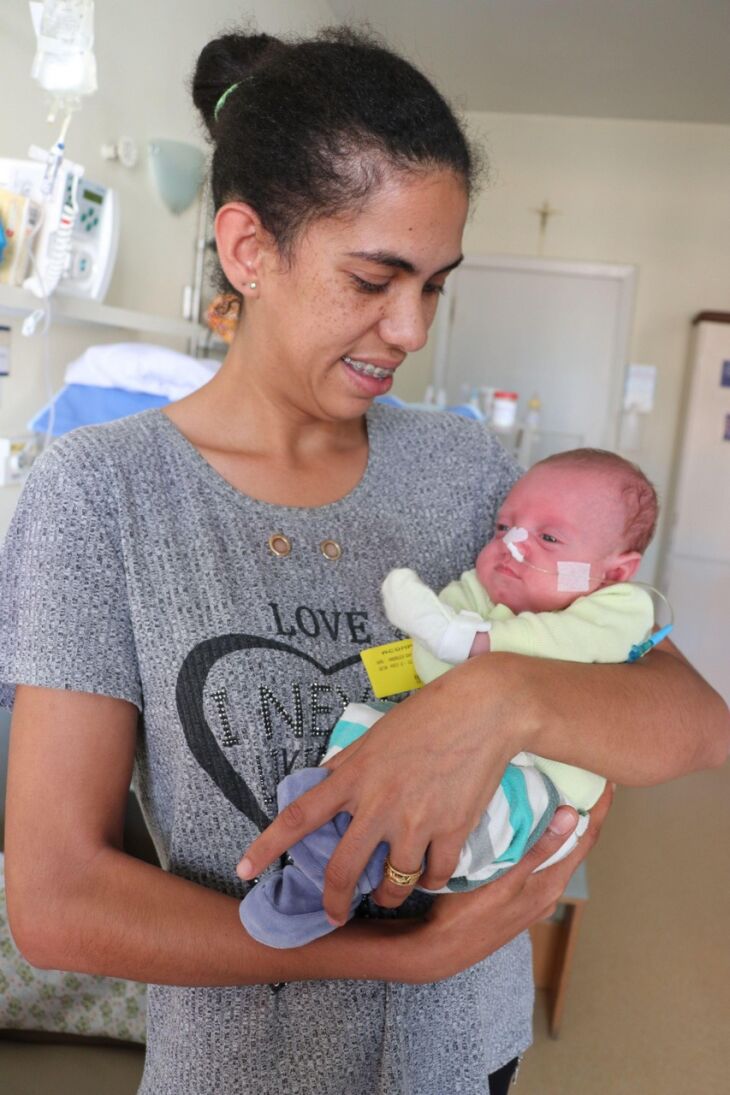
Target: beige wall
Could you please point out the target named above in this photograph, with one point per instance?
(647, 193)
(650, 194)
(146, 50)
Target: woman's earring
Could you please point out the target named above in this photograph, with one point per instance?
(252, 285)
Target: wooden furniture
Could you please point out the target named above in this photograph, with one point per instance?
(553, 943)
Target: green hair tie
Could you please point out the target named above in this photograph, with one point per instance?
(221, 101)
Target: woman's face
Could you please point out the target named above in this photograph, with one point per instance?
(358, 295)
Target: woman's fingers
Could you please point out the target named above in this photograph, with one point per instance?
(300, 817)
(348, 862)
(459, 930)
(562, 824)
(441, 859)
(596, 819)
(344, 754)
(558, 831)
(405, 858)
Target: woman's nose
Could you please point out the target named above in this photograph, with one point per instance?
(406, 322)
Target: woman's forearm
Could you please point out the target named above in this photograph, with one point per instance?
(636, 724)
(423, 775)
(126, 918)
(76, 901)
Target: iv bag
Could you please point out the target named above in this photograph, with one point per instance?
(64, 63)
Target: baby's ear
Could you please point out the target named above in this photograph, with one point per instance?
(622, 568)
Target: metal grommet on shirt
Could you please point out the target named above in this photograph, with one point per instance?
(279, 544)
(331, 550)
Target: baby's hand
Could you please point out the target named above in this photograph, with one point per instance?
(482, 644)
(416, 610)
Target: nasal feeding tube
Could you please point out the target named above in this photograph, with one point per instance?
(575, 577)
(572, 577)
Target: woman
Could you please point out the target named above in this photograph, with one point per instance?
(203, 580)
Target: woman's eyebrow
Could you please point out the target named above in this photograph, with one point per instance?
(388, 258)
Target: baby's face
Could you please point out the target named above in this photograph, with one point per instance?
(571, 514)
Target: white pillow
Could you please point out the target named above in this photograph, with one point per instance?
(141, 367)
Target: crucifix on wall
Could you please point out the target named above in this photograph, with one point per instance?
(544, 212)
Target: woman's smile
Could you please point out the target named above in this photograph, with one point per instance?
(341, 347)
(371, 379)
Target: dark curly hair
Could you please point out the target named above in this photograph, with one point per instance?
(313, 125)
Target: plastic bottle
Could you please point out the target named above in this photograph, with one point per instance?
(528, 433)
(504, 410)
(486, 396)
(532, 418)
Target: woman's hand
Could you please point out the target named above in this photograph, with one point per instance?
(461, 929)
(419, 780)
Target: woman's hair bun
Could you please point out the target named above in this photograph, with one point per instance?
(224, 62)
(309, 127)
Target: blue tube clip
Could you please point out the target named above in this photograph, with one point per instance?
(640, 649)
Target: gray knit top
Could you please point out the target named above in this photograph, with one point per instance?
(133, 569)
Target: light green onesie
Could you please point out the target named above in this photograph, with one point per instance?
(598, 627)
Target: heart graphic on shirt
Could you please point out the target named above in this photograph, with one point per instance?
(201, 740)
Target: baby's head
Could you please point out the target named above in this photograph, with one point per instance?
(585, 507)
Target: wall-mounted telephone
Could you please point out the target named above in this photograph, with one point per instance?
(70, 224)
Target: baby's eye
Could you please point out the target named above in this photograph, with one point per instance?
(548, 538)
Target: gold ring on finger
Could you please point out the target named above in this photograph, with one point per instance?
(400, 878)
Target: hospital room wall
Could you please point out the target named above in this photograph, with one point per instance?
(145, 54)
(653, 194)
(646, 193)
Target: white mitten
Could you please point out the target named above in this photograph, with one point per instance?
(416, 610)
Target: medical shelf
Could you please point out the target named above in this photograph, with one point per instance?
(16, 303)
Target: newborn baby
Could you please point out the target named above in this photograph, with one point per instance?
(553, 582)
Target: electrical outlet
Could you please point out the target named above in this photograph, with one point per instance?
(16, 456)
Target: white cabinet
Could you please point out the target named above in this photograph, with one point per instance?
(697, 567)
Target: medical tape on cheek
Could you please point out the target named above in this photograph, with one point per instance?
(512, 536)
(574, 577)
